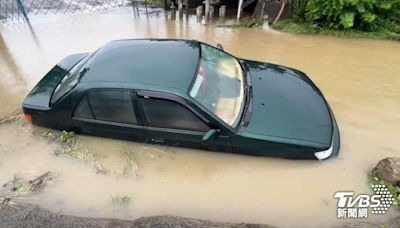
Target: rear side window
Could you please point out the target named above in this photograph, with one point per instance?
(168, 114)
(107, 105)
(83, 110)
(112, 105)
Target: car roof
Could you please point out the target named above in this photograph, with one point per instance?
(154, 62)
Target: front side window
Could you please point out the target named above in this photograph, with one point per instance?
(107, 105)
(219, 85)
(169, 114)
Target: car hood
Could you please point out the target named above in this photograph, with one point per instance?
(287, 107)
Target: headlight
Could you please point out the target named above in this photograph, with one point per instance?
(325, 153)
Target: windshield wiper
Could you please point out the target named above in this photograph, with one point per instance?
(247, 90)
(246, 78)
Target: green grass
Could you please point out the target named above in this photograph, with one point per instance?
(290, 26)
(393, 189)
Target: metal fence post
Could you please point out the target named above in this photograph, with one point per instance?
(22, 9)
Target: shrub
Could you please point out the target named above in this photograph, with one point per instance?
(298, 9)
(365, 15)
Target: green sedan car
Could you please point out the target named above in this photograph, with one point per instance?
(186, 93)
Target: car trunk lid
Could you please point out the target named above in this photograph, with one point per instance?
(39, 97)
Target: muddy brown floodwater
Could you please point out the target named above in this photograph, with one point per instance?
(360, 79)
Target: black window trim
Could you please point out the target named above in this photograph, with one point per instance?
(174, 130)
(139, 122)
(109, 122)
(86, 96)
(176, 99)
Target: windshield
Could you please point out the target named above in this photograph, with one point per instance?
(219, 85)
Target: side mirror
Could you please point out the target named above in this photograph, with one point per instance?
(210, 136)
(219, 46)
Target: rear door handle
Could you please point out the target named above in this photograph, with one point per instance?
(87, 131)
(157, 140)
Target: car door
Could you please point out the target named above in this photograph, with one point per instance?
(169, 120)
(110, 113)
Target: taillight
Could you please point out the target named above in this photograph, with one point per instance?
(28, 118)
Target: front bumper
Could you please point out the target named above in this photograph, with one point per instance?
(333, 150)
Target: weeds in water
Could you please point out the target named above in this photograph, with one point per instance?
(16, 116)
(67, 144)
(121, 201)
(130, 164)
(20, 187)
(245, 23)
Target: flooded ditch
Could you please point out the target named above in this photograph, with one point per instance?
(360, 79)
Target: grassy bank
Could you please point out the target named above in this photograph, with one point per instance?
(306, 28)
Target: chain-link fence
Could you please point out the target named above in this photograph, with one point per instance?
(20, 9)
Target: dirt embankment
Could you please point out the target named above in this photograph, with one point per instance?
(25, 215)
(33, 216)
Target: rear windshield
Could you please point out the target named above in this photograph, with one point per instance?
(69, 81)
